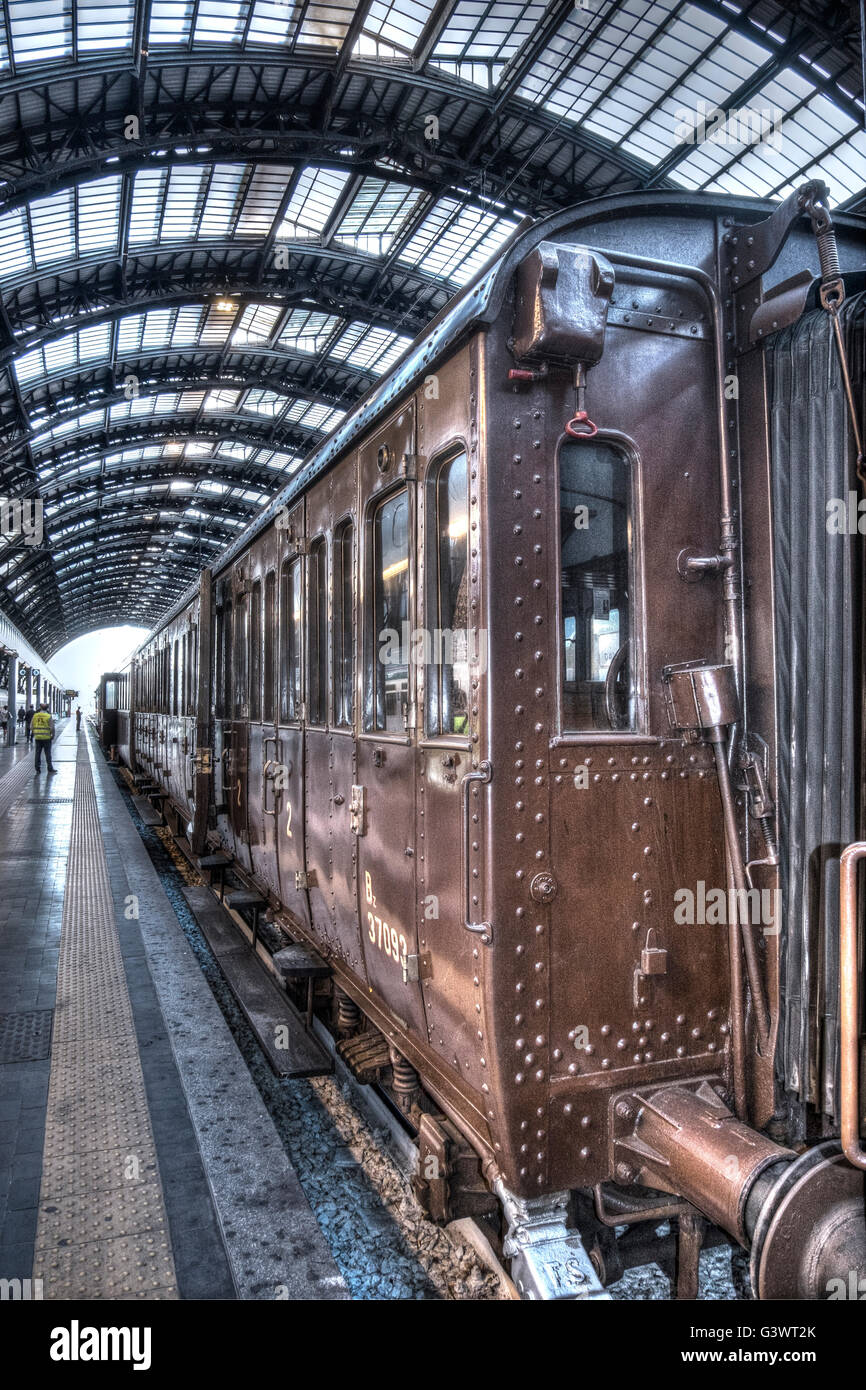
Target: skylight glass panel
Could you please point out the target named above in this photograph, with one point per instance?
(183, 203)
(273, 458)
(65, 354)
(756, 150)
(675, 50)
(104, 25)
(52, 224)
(490, 33)
(265, 192)
(14, 243)
(256, 324)
(265, 403)
(370, 349)
(170, 21)
(312, 203)
(40, 31)
(219, 21)
(216, 401)
(98, 213)
(76, 424)
(222, 190)
(307, 330)
(273, 21)
(377, 213)
(454, 241)
(729, 63)
(217, 325)
(573, 73)
(314, 415)
(393, 27)
(325, 25)
(147, 192)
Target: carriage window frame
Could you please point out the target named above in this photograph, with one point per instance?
(439, 467)
(268, 664)
(639, 733)
(371, 663)
(254, 636)
(343, 624)
(291, 641)
(241, 663)
(227, 673)
(317, 632)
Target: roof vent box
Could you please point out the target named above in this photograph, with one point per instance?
(562, 298)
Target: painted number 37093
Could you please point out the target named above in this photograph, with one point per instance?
(384, 937)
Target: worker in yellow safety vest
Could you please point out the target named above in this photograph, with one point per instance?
(42, 728)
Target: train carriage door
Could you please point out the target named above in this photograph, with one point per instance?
(342, 849)
(286, 784)
(456, 656)
(200, 752)
(264, 741)
(382, 808)
(239, 758)
(223, 701)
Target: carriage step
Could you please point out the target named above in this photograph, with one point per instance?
(158, 796)
(219, 860)
(290, 1048)
(366, 1056)
(244, 897)
(142, 779)
(148, 813)
(297, 961)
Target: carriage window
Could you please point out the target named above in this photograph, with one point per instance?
(448, 673)
(342, 625)
(256, 652)
(387, 698)
(291, 613)
(268, 706)
(318, 632)
(192, 685)
(241, 661)
(110, 695)
(226, 675)
(595, 547)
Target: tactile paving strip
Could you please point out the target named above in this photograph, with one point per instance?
(102, 1231)
(26, 1037)
(13, 784)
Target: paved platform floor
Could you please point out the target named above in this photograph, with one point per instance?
(137, 1158)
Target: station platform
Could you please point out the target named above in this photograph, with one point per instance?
(137, 1157)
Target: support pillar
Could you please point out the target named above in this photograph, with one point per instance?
(12, 726)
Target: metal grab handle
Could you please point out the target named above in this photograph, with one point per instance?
(271, 762)
(614, 718)
(484, 774)
(848, 997)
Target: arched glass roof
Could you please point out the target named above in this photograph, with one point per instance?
(222, 220)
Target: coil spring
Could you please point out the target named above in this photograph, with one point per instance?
(828, 254)
(348, 1013)
(405, 1075)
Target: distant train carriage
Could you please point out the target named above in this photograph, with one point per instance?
(112, 711)
(509, 704)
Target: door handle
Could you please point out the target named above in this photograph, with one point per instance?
(483, 774)
(849, 1105)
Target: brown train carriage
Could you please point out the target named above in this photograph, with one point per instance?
(497, 696)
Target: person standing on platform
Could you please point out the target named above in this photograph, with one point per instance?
(78, 720)
(28, 723)
(4, 724)
(42, 726)
(21, 721)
